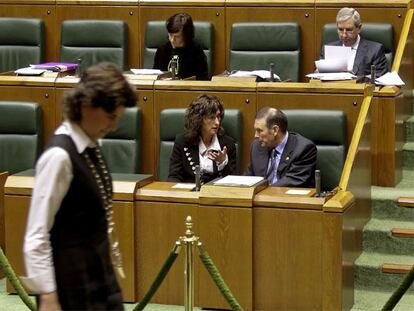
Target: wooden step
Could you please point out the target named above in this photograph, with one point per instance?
(396, 268)
(406, 201)
(402, 233)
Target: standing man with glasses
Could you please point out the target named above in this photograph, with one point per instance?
(284, 158)
(364, 52)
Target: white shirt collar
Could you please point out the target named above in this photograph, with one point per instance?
(77, 134)
(214, 145)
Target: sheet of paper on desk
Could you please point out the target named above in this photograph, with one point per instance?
(335, 52)
(183, 186)
(29, 71)
(238, 180)
(297, 191)
(264, 74)
(146, 71)
(390, 78)
(332, 76)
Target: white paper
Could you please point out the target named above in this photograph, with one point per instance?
(239, 180)
(146, 71)
(332, 76)
(390, 78)
(331, 65)
(264, 74)
(297, 191)
(337, 52)
(29, 71)
(184, 186)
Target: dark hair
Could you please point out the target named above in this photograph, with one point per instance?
(273, 117)
(181, 22)
(101, 85)
(203, 106)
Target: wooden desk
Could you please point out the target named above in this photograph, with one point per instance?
(18, 191)
(284, 252)
(301, 252)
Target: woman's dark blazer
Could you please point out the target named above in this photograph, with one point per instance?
(185, 157)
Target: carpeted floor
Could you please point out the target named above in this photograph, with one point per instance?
(373, 287)
(13, 303)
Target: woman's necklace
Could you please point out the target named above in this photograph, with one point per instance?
(105, 188)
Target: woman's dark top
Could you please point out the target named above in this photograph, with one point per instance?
(192, 60)
(185, 156)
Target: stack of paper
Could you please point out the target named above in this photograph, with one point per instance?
(29, 71)
(56, 66)
(390, 78)
(240, 181)
(264, 74)
(146, 71)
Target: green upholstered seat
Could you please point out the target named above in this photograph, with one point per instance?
(327, 129)
(94, 41)
(156, 35)
(122, 148)
(379, 32)
(20, 135)
(253, 46)
(172, 124)
(21, 42)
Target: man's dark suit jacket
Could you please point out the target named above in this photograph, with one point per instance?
(297, 163)
(185, 157)
(368, 53)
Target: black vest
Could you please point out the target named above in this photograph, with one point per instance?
(81, 218)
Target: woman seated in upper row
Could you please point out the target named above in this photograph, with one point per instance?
(203, 143)
(191, 58)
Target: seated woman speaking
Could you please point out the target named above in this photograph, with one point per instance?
(203, 143)
(181, 48)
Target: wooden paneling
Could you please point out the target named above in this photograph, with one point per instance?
(47, 12)
(305, 17)
(3, 177)
(16, 209)
(124, 218)
(287, 259)
(227, 235)
(214, 15)
(158, 226)
(44, 96)
(128, 14)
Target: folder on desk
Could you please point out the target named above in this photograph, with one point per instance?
(56, 66)
(238, 181)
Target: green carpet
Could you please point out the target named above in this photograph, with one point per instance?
(372, 286)
(13, 303)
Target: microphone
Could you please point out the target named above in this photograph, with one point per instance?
(173, 66)
(318, 183)
(373, 74)
(197, 178)
(272, 72)
(78, 72)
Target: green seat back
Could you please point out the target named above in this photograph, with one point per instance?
(253, 46)
(21, 42)
(94, 41)
(156, 35)
(172, 124)
(122, 148)
(20, 135)
(378, 32)
(327, 129)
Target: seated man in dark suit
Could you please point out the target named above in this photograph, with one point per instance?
(286, 159)
(364, 52)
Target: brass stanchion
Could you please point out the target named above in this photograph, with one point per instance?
(189, 240)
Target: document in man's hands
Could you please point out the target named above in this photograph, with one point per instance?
(335, 52)
(331, 65)
(238, 181)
